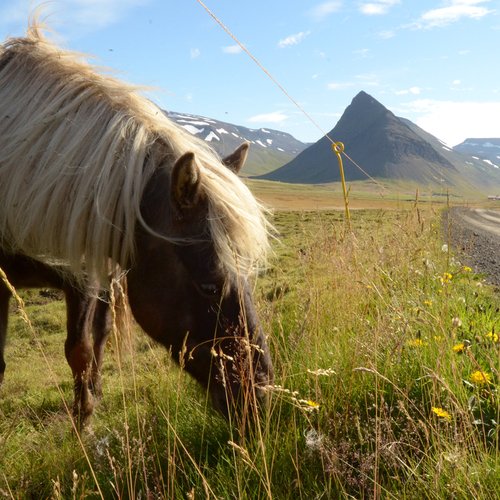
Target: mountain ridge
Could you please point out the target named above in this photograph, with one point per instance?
(269, 149)
(386, 147)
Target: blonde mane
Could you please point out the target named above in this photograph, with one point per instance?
(77, 149)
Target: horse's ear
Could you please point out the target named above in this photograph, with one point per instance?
(236, 160)
(185, 182)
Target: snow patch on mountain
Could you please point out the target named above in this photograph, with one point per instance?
(192, 129)
(491, 163)
(211, 136)
(193, 122)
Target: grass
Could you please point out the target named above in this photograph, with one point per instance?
(383, 194)
(373, 398)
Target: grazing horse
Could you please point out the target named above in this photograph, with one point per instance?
(95, 175)
(88, 322)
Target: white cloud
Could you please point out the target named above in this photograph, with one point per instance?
(378, 7)
(363, 80)
(324, 9)
(453, 121)
(274, 117)
(232, 49)
(453, 11)
(411, 90)
(71, 15)
(370, 79)
(194, 53)
(339, 85)
(362, 53)
(456, 82)
(293, 39)
(386, 34)
(91, 14)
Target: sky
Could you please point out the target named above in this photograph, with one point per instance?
(434, 62)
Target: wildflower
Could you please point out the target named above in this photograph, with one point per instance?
(446, 278)
(480, 378)
(312, 404)
(428, 303)
(308, 405)
(441, 413)
(416, 343)
(492, 336)
(459, 348)
(456, 322)
(466, 269)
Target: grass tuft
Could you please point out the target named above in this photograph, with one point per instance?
(386, 354)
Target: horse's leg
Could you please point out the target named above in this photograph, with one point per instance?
(101, 329)
(4, 313)
(78, 348)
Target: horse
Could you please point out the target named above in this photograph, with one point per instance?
(94, 174)
(88, 323)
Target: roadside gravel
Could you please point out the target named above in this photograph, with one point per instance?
(475, 235)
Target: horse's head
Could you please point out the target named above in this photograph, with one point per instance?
(185, 297)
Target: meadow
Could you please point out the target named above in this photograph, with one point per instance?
(387, 355)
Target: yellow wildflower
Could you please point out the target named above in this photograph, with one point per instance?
(459, 348)
(446, 278)
(428, 303)
(466, 269)
(480, 378)
(308, 405)
(492, 336)
(441, 413)
(416, 343)
(312, 404)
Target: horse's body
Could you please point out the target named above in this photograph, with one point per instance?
(91, 173)
(88, 322)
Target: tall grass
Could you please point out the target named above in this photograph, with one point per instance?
(386, 354)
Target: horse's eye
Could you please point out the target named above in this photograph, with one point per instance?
(209, 289)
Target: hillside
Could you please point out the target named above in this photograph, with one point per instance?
(269, 149)
(387, 147)
(487, 150)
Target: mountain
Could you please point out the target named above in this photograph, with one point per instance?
(487, 150)
(478, 173)
(386, 147)
(269, 149)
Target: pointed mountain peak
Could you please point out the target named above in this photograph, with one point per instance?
(364, 105)
(364, 99)
(383, 144)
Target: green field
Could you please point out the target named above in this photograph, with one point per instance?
(381, 194)
(387, 361)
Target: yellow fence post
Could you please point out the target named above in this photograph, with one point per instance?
(338, 149)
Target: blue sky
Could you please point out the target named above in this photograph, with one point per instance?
(432, 61)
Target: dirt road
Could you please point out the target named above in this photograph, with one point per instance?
(475, 233)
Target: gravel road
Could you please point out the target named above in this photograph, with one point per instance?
(475, 234)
